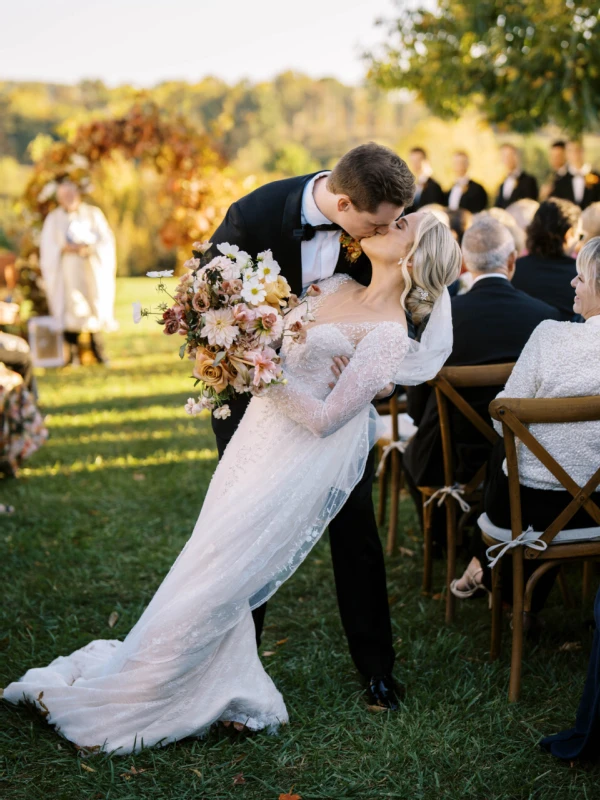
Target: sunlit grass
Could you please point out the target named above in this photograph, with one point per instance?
(103, 510)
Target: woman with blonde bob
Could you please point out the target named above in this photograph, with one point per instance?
(561, 359)
(191, 660)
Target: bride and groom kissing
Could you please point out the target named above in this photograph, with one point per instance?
(296, 460)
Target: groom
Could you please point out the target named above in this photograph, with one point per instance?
(301, 220)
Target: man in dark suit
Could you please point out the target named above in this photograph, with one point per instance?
(518, 184)
(300, 221)
(580, 184)
(428, 190)
(465, 193)
(492, 322)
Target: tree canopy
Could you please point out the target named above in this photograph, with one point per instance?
(522, 63)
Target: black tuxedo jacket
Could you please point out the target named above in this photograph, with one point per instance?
(474, 198)
(549, 280)
(563, 187)
(525, 187)
(492, 322)
(267, 218)
(432, 193)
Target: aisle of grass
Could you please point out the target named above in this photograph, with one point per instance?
(103, 510)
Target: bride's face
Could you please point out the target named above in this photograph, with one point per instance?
(394, 243)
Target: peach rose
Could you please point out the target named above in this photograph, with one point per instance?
(217, 377)
(277, 292)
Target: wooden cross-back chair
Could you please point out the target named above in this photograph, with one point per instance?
(453, 496)
(551, 547)
(389, 472)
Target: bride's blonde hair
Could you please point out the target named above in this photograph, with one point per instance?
(436, 262)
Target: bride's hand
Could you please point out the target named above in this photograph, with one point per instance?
(339, 365)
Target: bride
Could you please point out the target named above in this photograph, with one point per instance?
(191, 659)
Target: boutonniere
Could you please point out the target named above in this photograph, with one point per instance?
(351, 246)
(591, 179)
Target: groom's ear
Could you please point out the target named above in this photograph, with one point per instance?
(343, 203)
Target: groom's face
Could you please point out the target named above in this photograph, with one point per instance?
(361, 224)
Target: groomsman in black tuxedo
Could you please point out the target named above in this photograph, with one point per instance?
(300, 220)
(518, 184)
(465, 193)
(492, 323)
(428, 190)
(580, 184)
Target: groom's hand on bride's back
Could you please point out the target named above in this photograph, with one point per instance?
(339, 365)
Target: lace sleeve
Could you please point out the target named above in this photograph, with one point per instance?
(371, 368)
(525, 378)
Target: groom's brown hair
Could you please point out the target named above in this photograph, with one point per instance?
(371, 174)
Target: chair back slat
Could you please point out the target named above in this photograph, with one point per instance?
(549, 410)
(480, 375)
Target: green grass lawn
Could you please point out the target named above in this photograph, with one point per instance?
(102, 511)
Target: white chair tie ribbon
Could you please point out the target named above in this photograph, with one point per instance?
(456, 491)
(400, 446)
(528, 538)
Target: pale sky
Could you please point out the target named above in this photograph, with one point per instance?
(147, 41)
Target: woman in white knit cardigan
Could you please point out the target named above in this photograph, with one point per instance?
(561, 359)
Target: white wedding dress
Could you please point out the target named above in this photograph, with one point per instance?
(191, 659)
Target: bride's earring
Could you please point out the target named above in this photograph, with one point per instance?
(400, 261)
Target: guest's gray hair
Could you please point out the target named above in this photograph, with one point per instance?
(508, 221)
(588, 263)
(487, 245)
(523, 211)
(590, 221)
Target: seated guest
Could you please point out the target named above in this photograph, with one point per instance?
(21, 423)
(560, 360)
(518, 184)
(508, 221)
(492, 322)
(548, 269)
(557, 158)
(428, 190)
(460, 221)
(465, 193)
(523, 212)
(590, 222)
(580, 184)
(15, 353)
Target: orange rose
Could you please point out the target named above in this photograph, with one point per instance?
(217, 377)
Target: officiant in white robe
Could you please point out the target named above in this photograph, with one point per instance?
(78, 263)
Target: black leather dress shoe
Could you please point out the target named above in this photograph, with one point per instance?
(385, 692)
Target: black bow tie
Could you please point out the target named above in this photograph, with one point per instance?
(307, 232)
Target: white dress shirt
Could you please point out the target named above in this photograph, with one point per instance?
(578, 180)
(509, 184)
(457, 192)
(321, 253)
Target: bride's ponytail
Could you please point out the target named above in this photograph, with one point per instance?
(436, 261)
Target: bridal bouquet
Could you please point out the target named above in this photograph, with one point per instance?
(230, 312)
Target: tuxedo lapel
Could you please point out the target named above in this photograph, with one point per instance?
(292, 248)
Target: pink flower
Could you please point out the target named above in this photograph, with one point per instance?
(243, 315)
(313, 290)
(232, 287)
(201, 247)
(293, 301)
(192, 263)
(173, 319)
(299, 332)
(268, 324)
(201, 301)
(266, 368)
